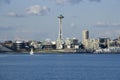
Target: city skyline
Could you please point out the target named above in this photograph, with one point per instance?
(37, 19)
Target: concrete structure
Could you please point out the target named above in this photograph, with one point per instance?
(68, 43)
(59, 43)
(93, 44)
(48, 45)
(104, 42)
(85, 37)
(4, 49)
(72, 43)
(19, 45)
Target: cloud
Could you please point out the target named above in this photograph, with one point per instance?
(73, 1)
(13, 14)
(37, 10)
(106, 24)
(6, 28)
(10, 27)
(4, 1)
(94, 0)
(72, 25)
(68, 1)
(105, 29)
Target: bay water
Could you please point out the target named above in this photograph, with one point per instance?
(59, 66)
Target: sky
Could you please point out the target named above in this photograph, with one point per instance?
(38, 19)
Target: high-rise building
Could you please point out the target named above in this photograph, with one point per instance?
(85, 37)
(59, 43)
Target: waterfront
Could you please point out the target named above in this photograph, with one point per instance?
(59, 67)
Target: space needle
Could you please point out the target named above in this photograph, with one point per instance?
(59, 40)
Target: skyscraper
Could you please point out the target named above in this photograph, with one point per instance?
(85, 37)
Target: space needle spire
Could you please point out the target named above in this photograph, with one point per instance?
(60, 26)
(59, 40)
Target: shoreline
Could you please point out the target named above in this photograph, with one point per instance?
(56, 52)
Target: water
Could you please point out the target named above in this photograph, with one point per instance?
(60, 67)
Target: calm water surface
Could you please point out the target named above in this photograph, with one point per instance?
(60, 67)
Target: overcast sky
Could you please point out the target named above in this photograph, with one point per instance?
(37, 19)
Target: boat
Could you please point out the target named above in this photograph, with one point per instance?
(31, 52)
